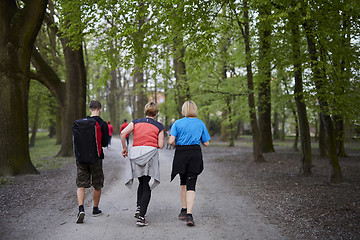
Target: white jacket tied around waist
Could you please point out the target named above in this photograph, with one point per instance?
(144, 161)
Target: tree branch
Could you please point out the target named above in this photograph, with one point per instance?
(47, 76)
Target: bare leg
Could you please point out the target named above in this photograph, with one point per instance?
(96, 197)
(183, 196)
(80, 196)
(190, 200)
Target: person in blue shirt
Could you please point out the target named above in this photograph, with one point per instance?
(186, 135)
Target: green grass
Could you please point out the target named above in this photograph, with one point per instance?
(42, 154)
(5, 181)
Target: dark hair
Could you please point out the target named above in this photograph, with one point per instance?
(108, 122)
(125, 120)
(95, 104)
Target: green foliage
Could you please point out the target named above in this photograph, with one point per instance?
(123, 34)
(5, 181)
(47, 103)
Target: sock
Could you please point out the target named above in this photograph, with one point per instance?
(189, 214)
(95, 208)
(183, 209)
(81, 208)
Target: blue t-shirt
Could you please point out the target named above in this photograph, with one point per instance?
(190, 131)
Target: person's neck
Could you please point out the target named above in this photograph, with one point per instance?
(150, 117)
(95, 113)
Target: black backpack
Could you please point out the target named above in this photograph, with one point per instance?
(87, 140)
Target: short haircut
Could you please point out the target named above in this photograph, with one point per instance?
(95, 104)
(189, 109)
(151, 109)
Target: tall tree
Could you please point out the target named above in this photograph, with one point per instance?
(139, 60)
(75, 97)
(264, 96)
(71, 95)
(245, 30)
(182, 87)
(335, 175)
(19, 25)
(306, 157)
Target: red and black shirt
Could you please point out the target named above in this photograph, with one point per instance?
(146, 132)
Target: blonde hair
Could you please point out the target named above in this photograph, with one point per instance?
(189, 109)
(151, 109)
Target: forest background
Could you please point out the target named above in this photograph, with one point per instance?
(264, 68)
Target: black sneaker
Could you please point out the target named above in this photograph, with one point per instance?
(80, 217)
(137, 212)
(97, 212)
(182, 214)
(190, 220)
(141, 221)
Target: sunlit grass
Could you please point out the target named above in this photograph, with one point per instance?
(43, 153)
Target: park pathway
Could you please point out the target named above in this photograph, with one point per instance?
(219, 212)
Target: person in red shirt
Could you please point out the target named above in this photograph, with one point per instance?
(143, 161)
(123, 126)
(111, 130)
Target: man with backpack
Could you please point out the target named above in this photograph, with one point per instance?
(91, 134)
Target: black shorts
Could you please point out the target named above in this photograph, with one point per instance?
(90, 175)
(187, 160)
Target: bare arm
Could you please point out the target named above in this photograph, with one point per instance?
(123, 134)
(172, 140)
(206, 143)
(161, 139)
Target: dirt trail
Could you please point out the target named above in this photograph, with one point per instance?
(219, 212)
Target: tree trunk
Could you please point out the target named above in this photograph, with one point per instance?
(139, 60)
(112, 100)
(257, 152)
(58, 125)
(264, 97)
(52, 120)
(306, 158)
(230, 128)
(345, 70)
(224, 133)
(34, 127)
(182, 87)
(75, 95)
(276, 126)
(340, 136)
(18, 30)
(283, 121)
(322, 138)
(140, 92)
(46, 75)
(296, 140)
(335, 170)
(316, 137)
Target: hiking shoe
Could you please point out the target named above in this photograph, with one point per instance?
(97, 212)
(190, 220)
(137, 212)
(141, 221)
(80, 217)
(182, 215)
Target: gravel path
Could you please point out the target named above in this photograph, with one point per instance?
(220, 211)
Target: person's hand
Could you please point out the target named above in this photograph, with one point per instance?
(125, 152)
